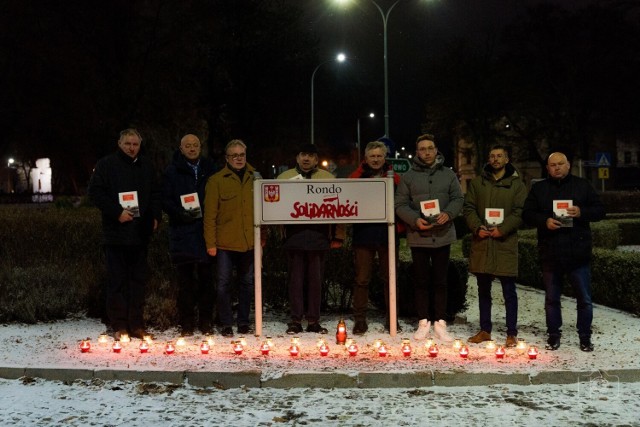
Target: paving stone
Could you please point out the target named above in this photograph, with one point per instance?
(56, 374)
(311, 380)
(392, 380)
(175, 377)
(225, 380)
(458, 379)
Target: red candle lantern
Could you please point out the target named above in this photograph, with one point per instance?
(406, 347)
(264, 348)
(294, 350)
(464, 351)
(269, 342)
(169, 348)
(341, 332)
(117, 347)
(85, 345)
(533, 352)
(324, 350)
(433, 350)
(500, 352)
(144, 347)
(205, 347)
(237, 347)
(352, 349)
(382, 350)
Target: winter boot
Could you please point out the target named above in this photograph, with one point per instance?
(440, 331)
(424, 326)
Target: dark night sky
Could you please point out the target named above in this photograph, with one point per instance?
(417, 31)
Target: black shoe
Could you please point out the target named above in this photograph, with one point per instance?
(585, 344)
(553, 342)
(186, 331)
(119, 333)
(244, 329)
(360, 328)
(140, 334)
(206, 328)
(227, 331)
(294, 328)
(317, 328)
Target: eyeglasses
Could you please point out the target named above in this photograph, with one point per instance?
(237, 156)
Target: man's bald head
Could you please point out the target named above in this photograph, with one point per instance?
(190, 147)
(558, 166)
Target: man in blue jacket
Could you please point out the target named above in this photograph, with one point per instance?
(564, 243)
(125, 189)
(183, 200)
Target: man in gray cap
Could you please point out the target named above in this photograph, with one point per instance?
(307, 246)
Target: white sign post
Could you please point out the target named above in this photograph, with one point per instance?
(327, 201)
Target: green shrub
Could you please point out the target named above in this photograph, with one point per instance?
(615, 275)
(53, 266)
(629, 231)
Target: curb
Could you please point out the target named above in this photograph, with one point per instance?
(256, 378)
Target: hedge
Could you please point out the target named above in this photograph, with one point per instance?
(52, 267)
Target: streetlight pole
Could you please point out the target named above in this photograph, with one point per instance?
(371, 115)
(385, 19)
(340, 58)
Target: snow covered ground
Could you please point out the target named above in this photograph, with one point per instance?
(598, 399)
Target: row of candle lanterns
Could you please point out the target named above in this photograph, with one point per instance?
(295, 348)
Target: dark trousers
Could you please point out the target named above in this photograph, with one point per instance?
(195, 289)
(364, 257)
(243, 261)
(430, 266)
(580, 279)
(127, 272)
(510, 302)
(309, 265)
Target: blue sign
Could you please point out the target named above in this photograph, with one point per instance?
(603, 159)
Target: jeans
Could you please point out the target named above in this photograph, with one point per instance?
(439, 260)
(309, 265)
(510, 302)
(580, 279)
(364, 258)
(243, 261)
(126, 279)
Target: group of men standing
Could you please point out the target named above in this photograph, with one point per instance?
(211, 218)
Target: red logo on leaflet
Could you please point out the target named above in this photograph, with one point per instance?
(189, 199)
(127, 197)
(563, 205)
(272, 193)
(429, 205)
(494, 214)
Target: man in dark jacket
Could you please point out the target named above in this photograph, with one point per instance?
(125, 189)
(307, 246)
(370, 239)
(183, 200)
(561, 208)
(493, 212)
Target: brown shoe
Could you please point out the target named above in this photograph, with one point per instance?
(512, 341)
(481, 336)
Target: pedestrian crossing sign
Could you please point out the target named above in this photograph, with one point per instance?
(603, 159)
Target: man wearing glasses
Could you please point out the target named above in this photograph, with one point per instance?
(228, 233)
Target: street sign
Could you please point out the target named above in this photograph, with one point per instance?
(400, 166)
(603, 159)
(603, 173)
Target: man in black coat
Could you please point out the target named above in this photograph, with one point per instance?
(561, 208)
(125, 189)
(183, 200)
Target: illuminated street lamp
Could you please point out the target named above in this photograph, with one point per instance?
(341, 57)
